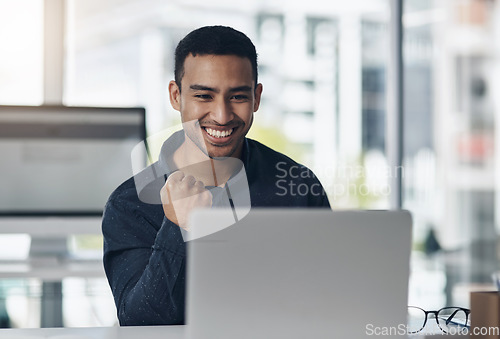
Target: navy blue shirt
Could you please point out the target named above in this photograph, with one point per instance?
(144, 252)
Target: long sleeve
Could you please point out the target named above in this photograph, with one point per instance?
(144, 260)
(145, 254)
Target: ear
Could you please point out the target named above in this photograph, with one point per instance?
(175, 95)
(258, 93)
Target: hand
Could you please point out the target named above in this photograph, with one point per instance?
(180, 195)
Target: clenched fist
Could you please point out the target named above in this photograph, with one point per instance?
(180, 195)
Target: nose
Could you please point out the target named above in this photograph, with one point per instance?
(222, 112)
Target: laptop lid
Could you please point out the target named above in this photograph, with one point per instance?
(301, 273)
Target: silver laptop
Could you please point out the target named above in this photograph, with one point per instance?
(299, 273)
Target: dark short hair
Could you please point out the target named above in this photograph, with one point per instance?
(214, 40)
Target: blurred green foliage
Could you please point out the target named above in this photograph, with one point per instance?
(277, 140)
(87, 242)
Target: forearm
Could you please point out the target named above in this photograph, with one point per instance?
(158, 296)
(148, 282)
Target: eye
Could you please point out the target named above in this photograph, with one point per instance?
(239, 97)
(203, 96)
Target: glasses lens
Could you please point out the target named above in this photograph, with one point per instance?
(453, 320)
(416, 319)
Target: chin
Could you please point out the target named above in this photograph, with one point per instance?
(225, 151)
(219, 153)
(216, 156)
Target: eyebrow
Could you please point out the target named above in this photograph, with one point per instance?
(211, 89)
(241, 89)
(203, 88)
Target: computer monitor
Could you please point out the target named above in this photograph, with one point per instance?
(59, 164)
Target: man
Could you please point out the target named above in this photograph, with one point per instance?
(216, 92)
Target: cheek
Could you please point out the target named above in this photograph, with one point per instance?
(243, 111)
(250, 121)
(247, 115)
(191, 111)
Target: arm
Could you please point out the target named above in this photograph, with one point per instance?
(317, 195)
(144, 260)
(321, 200)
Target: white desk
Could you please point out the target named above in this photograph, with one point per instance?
(129, 332)
(51, 269)
(49, 260)
(50, 226)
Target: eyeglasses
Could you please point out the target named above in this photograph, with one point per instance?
(451, 320)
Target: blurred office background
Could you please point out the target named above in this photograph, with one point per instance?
(324, 69)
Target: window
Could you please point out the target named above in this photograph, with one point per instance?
(450, 182)
(21, 59)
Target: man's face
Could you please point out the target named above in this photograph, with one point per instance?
(218, 93)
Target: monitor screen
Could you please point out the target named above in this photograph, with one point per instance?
(58, 160)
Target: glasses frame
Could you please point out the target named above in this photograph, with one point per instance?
(465, 310)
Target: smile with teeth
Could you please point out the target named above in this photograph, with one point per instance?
(219, 134)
